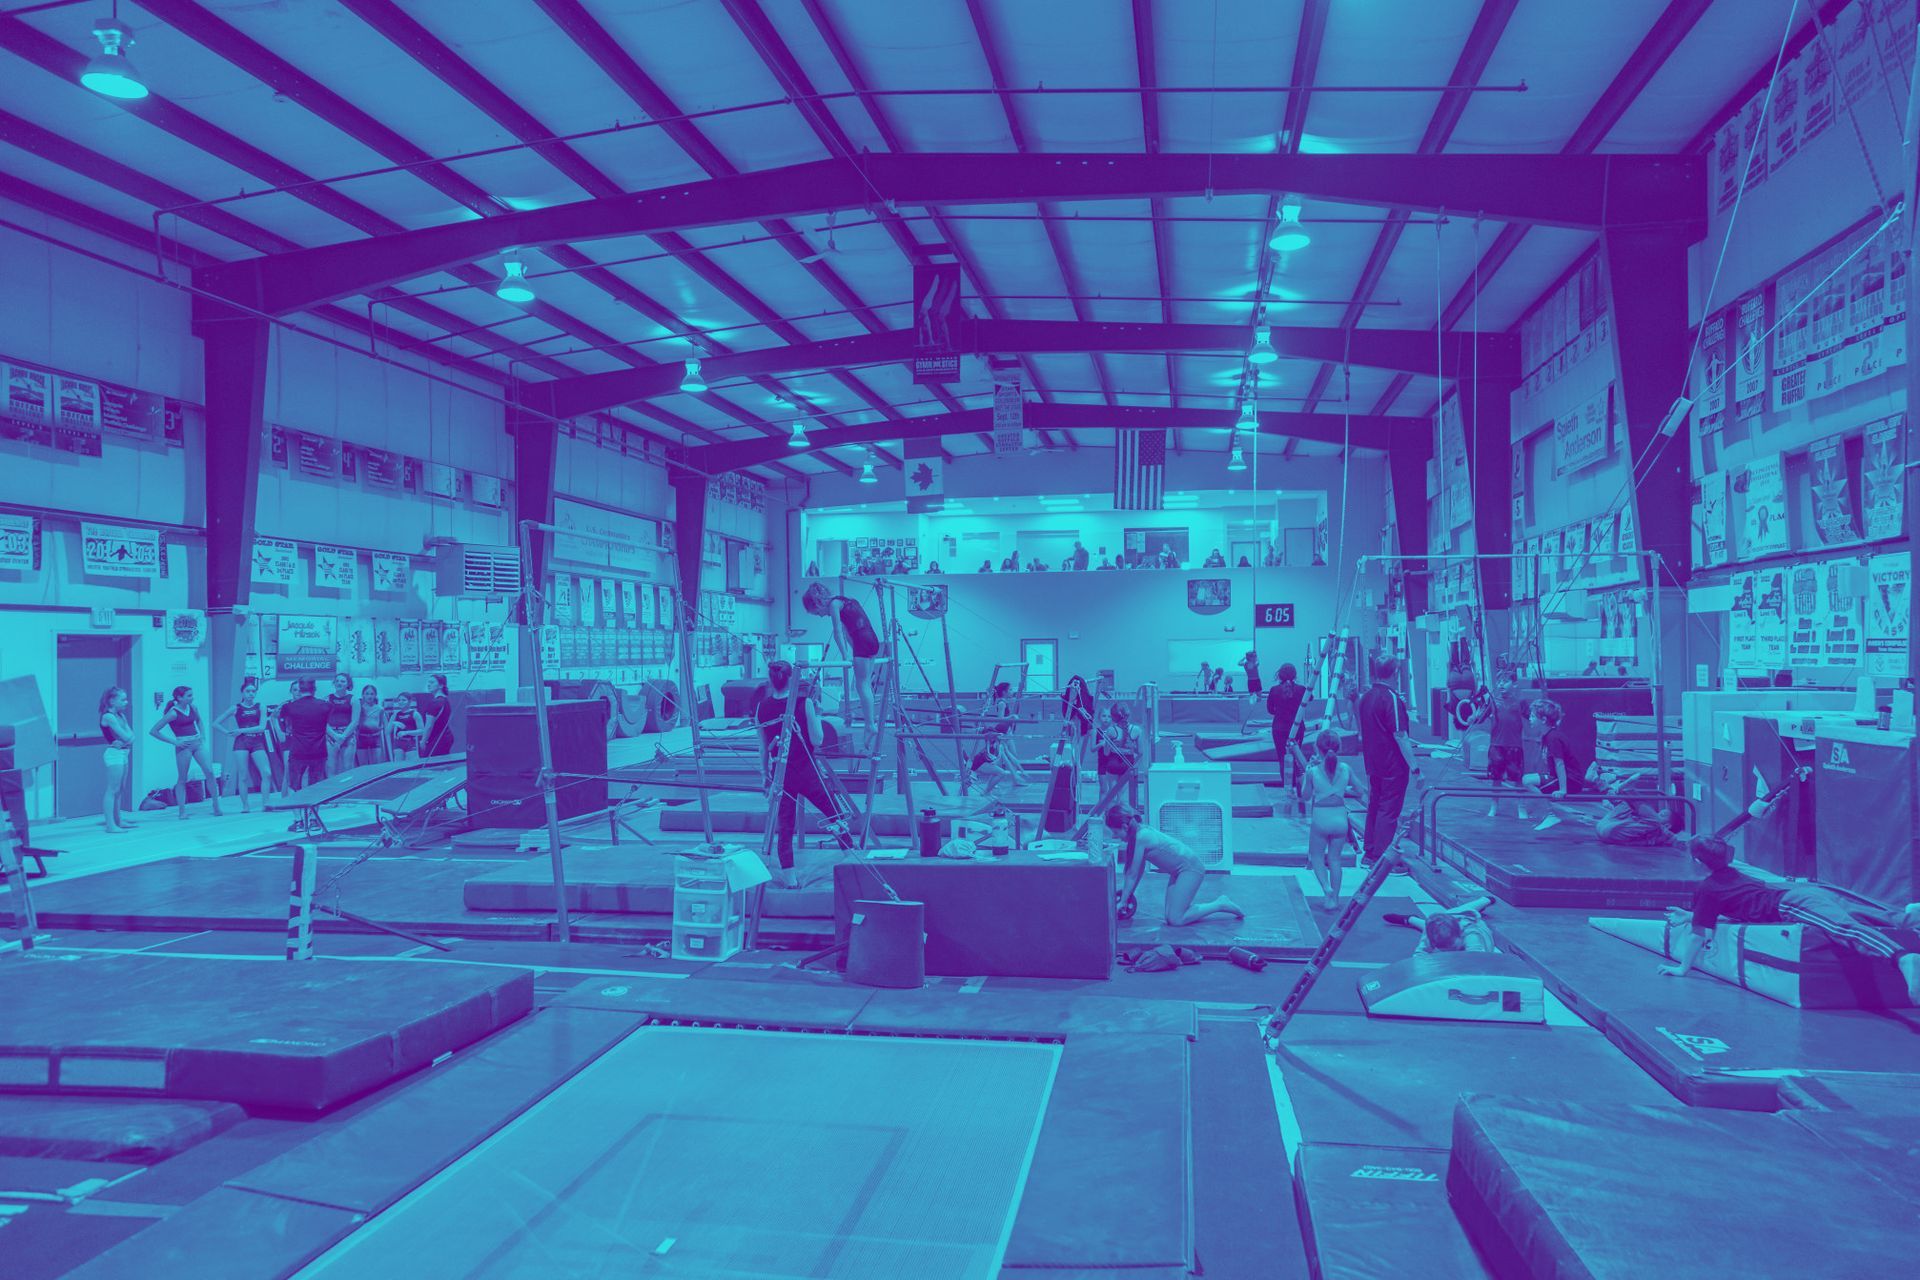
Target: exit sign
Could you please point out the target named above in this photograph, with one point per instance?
(1273, 615)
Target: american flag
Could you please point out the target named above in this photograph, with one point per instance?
(1140, 470)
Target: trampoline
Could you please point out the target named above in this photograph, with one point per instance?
(718, 1152)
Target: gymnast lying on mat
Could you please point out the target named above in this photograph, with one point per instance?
(1739, 898)
(1141, 845)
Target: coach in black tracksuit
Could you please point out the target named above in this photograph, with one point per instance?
(1388, 754)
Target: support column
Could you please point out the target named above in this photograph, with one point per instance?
(536, 445)
(1407, 470)
(234, 347)
(1486, 411)
(689, 529)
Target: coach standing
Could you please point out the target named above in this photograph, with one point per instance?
(1388, 753)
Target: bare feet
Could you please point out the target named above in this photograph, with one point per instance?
(1547, 823)
(1910, 970)
(1227, 905)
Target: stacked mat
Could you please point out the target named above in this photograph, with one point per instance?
(1791, 963)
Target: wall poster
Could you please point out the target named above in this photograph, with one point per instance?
(1743, 652)
(1882, 470)
(1749, 356)
(19, 543)
(410, 644)
(1845, 635)
(274, 561)
(1889, 582)
(1806, 615)
(389, 571)
(1832, 484)
(307, 646)
(335, 568)
(1713, 518)
(1710, 394)
(119, 551)
(1763, 522)
(1842, 316)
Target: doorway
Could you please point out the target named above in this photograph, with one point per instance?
(87, 666)
(1043, 665)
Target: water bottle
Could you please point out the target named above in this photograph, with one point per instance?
(928, 831)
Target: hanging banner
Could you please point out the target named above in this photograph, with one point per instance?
(19, 543)
(1583, 437)
(1770, 617)
(1842, 317)
(27, 414)
(382, 468)
(316, 456)
(1742, 625)
(1889, 582)
(126, 412)
(609, 602)
(119, 551)
(76, 419)
(629, 603)
(1844, 639)
(1009, 418)
(487, 490)
(1600, 538)
(1882, 469)
(348, 468)
(1749, 356)
(1806, 615)
(488, 647)
(1627, 540)
(1832, 486)
(649, 606)
(275, 560)
(1817, 104)
(336, 568)
(438, 480)
(1573, 551)
(1783, 118)
(588, 603)
(1763, 520)
(936, 322)
(1710, 392)
(389, 571)
(356, 646)
(307, 646)
(410, 644)
(453, 646)
(386, 648)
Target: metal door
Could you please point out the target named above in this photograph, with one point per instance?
(88, 665)
(1043, 665)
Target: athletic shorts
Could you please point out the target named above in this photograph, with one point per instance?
(1253, 684)
(116, 755)
(1506, 764)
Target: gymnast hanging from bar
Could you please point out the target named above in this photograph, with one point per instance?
(794, 737)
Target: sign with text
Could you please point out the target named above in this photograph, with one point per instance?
(117, 551)
(18, 546)
(307, 646)
(389, 571)
(275, 560)
(1273, 615)
(1582, 437)
(337, 568)
(936, 320)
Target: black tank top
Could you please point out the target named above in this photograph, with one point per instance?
(186, 726)
(772, 711)
(245, 717)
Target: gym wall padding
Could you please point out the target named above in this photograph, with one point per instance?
(503, 762)
(1864, 838)
(1791, 963)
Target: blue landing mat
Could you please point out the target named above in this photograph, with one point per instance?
(1373, 1212)
(1394, 1083)
(1613, 1192)
(1706, 1041)
(1565, 866)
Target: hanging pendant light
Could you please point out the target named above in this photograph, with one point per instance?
(798, 440)
(1249, 418)
(1288, 234)
(691, 381)
(110, 72)
(1238, 462)
(514, 286)
(1262, 352)
(866, 473)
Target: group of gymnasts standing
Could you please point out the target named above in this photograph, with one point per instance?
(285, 747)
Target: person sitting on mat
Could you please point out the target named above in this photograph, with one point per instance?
(854, 636)
(1566, 765)
(1329, 782)
(995, 767)
(1141, 845)
(1738, 898)
(802, 775)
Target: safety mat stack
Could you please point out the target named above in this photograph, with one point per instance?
(1790, 963)
(1551, 1189)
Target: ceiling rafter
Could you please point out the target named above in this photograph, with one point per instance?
(1672, 27)
(829, 130)
(1484, 37)
(1056, 238)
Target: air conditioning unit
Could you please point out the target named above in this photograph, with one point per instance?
(473, 569)
(1193, 802)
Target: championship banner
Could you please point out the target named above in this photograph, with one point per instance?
(127, 412)
(19, 543)
(1844, 632)
(1889, 584)
(488, 647)
(76, 419)
(382, 468)
(316, 455)
(1806, 615)
(337, 568)
(410, 644)
(1763, 521)
(1882, 469)
(1841, 318)
(936, 322)
(118, 551)
(26, 414)
(1832, 487)
(307, 646)
(357, 645)
(386, 648)
(1583, 437)
(275, 561)
(1743, 652)
(1749, 356)
(630, 603)
(1710, 393)
(1009, 418)
(389, 571)
(438, 480)
(453, 646)
(1770, 617)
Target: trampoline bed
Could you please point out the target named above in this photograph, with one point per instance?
(713, 1152)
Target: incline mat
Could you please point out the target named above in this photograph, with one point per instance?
(1393, 1084)
(1373, 1212)
(299, 1035)
(135, 1130)
(1574, 1190)
(1564, 866)
(680, 1152)
(1708, 1042)
(1790, 963)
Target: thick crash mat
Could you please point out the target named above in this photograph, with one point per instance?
(130, 1130)
(635, 880)
(1389, 1083)
(1370, 1212)
(300, 1036)
(1792, 963)
(1708, 1042)
(1565, 866)
(1567, 1189)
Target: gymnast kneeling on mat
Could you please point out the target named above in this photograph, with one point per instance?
(1739, 898)
(1140, 845)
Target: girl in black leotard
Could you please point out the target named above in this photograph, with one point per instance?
(117, 734)
(246, 722)
(801, 776)
(179, 726)
(854, 635)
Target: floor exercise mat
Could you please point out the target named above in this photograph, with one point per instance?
(671, 1154)
(1393, 1084)
(1374, 1212)
(131, 1130)
(1241, 1183)
(1569, 1189)
(1708, 1042)
(1792, 963)
(1565, 866)
(421, 894)
(301, 1037)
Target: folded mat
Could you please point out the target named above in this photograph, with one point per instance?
(1791, 963)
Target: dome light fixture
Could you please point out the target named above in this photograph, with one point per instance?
(1238, 462)
(110, 73)
(1262, 352)
(866, 473)
(1288, 234)
(1249, 418)
(798, 440)
(691, 381)
(514, 286)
